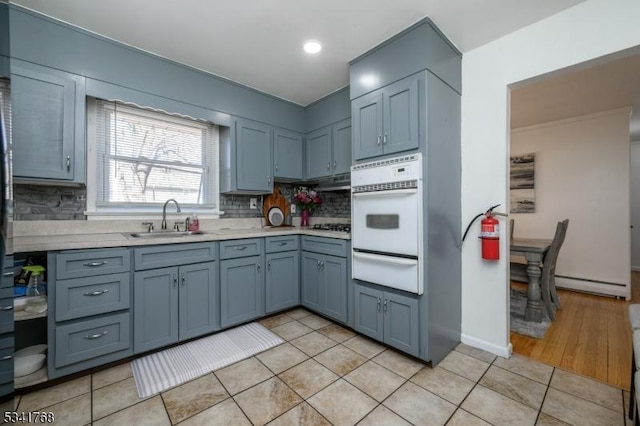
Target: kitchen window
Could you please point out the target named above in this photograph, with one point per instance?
(139, 158)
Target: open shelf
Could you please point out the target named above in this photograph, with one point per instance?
(39, 376)
(23, 315)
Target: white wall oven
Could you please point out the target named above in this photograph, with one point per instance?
(386, 222)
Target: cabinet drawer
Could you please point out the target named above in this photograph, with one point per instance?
(7, 272)
(6, 310)
(6, 364)
(284, 243)
(83, 297)
(173, 255)
(93, 262)
(240, 248)
(84, 340)
(331, 246)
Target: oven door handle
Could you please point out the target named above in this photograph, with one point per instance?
(389, 193)
(385, 259)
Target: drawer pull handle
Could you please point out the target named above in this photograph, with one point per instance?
(6, 358)
(96, 293)
(241, 247)
(94, 264)
(96, 336)
(282, 243)
(183, 280)
(6, 308)
(8, 274)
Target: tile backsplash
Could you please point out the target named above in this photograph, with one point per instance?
(40, 202)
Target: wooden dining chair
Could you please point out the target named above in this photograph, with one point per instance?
(548, 281)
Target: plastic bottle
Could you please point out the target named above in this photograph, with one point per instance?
(36, 300)
(194, 223)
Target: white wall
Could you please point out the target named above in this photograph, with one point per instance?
(584, 32)
(582, 173)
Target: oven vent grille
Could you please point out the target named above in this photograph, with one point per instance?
(406, 184)
(386, 162)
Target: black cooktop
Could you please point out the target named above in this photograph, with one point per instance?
(340, 227)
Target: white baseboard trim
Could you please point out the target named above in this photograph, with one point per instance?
(594, 287)
(503, 351)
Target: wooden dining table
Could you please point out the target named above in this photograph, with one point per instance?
(533, 250)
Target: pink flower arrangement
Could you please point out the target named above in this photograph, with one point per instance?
(307, 199)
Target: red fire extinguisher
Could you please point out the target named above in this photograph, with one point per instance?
(490, 236)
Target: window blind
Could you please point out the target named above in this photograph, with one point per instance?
(5, 96)
(147, 157)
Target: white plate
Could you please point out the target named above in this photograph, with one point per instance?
(276, 217)
(26, 365)
(31, 350)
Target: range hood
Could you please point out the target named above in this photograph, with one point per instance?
(337, 183)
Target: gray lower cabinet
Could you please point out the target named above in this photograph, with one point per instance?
(324, 284)
(89, 323)
(388, 317)
(282, 283)
(173, 304)
(48, 124)
(241, 290)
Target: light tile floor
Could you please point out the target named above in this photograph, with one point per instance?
(326, 374)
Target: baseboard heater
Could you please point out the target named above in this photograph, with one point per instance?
(593, 286)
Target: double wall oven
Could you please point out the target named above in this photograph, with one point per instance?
(386, 221)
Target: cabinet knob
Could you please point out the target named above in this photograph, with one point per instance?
(385, 305)
(379, 302)
(268, 266)
(269, 179)
(258, 267)
(175, 280)
(276, 167)
(183, 280)
(329, 165)
(335, 163)
(68, 163)
(384, 139)
(379, 139)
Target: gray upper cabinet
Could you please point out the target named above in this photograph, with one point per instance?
(287, 155)
(328, 151)
(48, 123)
(246, 158)
(318, 153)
(342, 147)
(387, 121)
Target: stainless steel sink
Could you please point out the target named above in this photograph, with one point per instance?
(163, 234)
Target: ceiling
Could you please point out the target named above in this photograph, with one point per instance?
(258, 43)
(592, 88)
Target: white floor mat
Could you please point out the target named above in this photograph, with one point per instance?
(163, 370)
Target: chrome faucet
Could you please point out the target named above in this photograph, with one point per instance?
(164, 212)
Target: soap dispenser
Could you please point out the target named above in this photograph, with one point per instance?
(36, 300)
(194, 224)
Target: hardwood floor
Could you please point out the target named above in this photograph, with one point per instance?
(590, 336)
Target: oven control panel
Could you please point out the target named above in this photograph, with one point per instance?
(387, 171)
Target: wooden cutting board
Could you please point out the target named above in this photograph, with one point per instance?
(275, 200)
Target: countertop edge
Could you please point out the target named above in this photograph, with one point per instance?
(109, 240)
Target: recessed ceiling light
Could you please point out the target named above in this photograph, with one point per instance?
(312, 46)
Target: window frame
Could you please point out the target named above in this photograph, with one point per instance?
(96, 211)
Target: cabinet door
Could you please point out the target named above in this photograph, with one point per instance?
(283, 281)
(47, 123)
(401, 322)
(342, 147)
(368, 312)
(253, 162)
(287, 153)
(401, 116)
(198, 308)
(155, 314)
(334, 287)
(366, 116)
(241, 293)
(318, 153)
(311, 281)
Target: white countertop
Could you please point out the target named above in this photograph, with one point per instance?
(34, 241)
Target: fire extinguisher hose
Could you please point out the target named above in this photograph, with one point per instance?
(476, 218)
